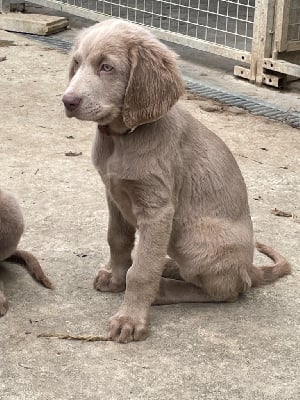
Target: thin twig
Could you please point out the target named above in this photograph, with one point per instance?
(280, 213)
(252, 159)
(75, 337)
(73, 153)
(24, 366)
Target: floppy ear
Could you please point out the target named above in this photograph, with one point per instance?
(154, 84)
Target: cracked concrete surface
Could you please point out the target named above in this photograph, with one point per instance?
(245, 350)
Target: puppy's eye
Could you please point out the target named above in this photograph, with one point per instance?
(76, 62)
(106, 68)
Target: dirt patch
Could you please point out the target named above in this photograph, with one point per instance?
(7, 43)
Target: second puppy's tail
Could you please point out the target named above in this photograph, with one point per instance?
(267, 274)
(32, 265)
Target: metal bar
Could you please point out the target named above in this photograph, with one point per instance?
(248, 103)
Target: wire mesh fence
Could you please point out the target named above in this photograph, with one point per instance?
(224, 22)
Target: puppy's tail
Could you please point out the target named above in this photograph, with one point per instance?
(268, 274)
(32, 265)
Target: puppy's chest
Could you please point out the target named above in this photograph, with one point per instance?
(116, 172)
(116, 188)
(119, 192)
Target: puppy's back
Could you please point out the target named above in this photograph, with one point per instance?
(212, 181)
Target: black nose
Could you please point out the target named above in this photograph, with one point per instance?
(71, 102)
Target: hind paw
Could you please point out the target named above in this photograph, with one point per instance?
(104, 282)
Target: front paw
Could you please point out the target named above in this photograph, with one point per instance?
(105, 282)
(125, 329)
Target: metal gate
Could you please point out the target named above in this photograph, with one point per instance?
(261, 33)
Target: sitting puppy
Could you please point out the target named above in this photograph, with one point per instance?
(166, 175)
(11, 229)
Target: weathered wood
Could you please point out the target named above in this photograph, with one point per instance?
(262, 38)
(282, 66)
(32, 23)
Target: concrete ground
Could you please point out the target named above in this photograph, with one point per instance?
(245, 350)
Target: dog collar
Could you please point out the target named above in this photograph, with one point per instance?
(107, 131)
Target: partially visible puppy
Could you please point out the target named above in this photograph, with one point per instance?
(11, 229)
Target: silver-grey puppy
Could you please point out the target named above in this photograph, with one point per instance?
(166, 176)
(11, 229)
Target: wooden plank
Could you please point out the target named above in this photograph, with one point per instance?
(273, 80)
(282, 13)
(282, 66)
(241, 72)
(36, 24)
(262, 38)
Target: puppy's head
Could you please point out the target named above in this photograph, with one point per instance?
(118, 70)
